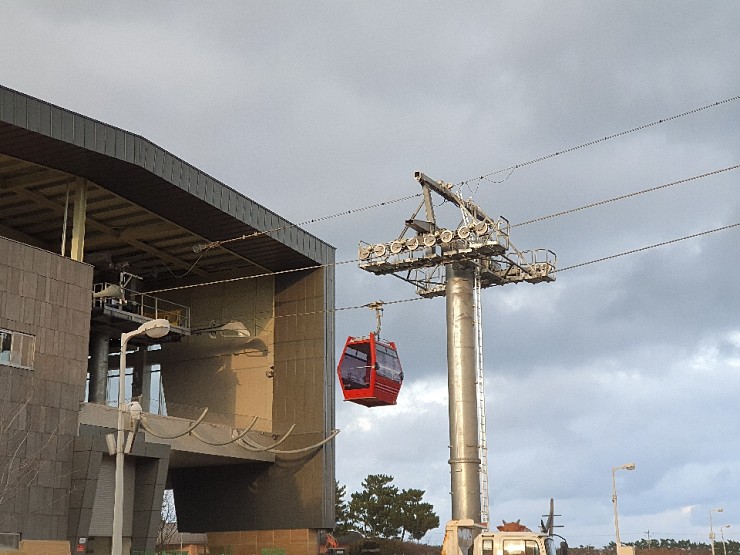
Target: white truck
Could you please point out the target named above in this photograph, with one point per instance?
(465, 537)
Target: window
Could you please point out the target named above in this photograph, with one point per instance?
(17, 349)
(521, 547)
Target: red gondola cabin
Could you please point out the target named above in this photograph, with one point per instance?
(369, 371)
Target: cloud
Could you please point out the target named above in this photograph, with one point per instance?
(319, 109)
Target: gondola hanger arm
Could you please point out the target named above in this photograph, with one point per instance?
(237, 437)
(148, 428)
(256, 447)
(377, 306)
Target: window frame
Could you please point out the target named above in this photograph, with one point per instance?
(17, 349)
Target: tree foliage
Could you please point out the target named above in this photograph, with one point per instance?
(343, 522)
(381, 510)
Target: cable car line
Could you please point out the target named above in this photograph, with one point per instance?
(628, 195)
(206, 246)
(565, 269)
(641, 249)
(342, 262)
(600, 140)
(214, 244)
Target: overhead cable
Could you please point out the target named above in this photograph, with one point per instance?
(629, 195)
(542, 218)
(641, 249)
(213, 244)
(600, 140)
(574, 266)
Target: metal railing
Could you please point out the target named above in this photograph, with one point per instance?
(112, 296)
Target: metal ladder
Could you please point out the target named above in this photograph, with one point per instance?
(482, 442)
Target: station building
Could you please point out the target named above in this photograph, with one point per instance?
(102, 231)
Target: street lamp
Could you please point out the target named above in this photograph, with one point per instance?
(628, 466)
(724, 545)
(154, 329)
(711, 530)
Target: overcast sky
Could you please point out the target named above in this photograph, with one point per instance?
(315, 108)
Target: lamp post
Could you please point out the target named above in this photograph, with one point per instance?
(628, 466)
(724, 545)
(154, 329)
(711, 530)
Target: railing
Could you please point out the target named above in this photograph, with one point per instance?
(114, 297)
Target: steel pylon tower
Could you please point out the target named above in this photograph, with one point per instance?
(454, 263)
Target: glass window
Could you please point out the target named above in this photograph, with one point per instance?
(355, 366)
(521, 547)
(387, 363)
(17, 349)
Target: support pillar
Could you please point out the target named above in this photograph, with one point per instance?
(97, 366)
(461, 364)
(78, 221)
(141, 382)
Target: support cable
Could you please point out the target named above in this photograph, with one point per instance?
(601, 140)
(542, 218)
(641, 249)
(213, 244)
(629, 195)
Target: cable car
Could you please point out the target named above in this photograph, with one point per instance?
(369, 371)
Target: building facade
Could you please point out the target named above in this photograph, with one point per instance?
(102, 231)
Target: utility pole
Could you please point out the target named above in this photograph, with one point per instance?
(451, 262)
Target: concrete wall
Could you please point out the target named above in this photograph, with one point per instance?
(297, 490)
(47, 296)
(277, 542)
(232, 376)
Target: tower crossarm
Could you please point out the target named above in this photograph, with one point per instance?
(480, 242)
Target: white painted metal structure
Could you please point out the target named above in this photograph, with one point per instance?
(457, 263)
(485, 515)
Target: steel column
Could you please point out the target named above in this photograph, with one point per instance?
(461, 364)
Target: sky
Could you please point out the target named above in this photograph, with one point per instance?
(319, 108)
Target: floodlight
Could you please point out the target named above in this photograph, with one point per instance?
(412, 243)
(463, 232)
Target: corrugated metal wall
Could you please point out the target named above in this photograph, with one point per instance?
(102, 516)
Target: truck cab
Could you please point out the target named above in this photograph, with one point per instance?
(464, 537)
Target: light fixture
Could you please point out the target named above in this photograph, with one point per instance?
(429, 240)
(235, 330)
(365, 253)
(379, 249)
(481, 228)
(412, 243)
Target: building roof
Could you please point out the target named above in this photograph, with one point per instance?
(146, 207)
